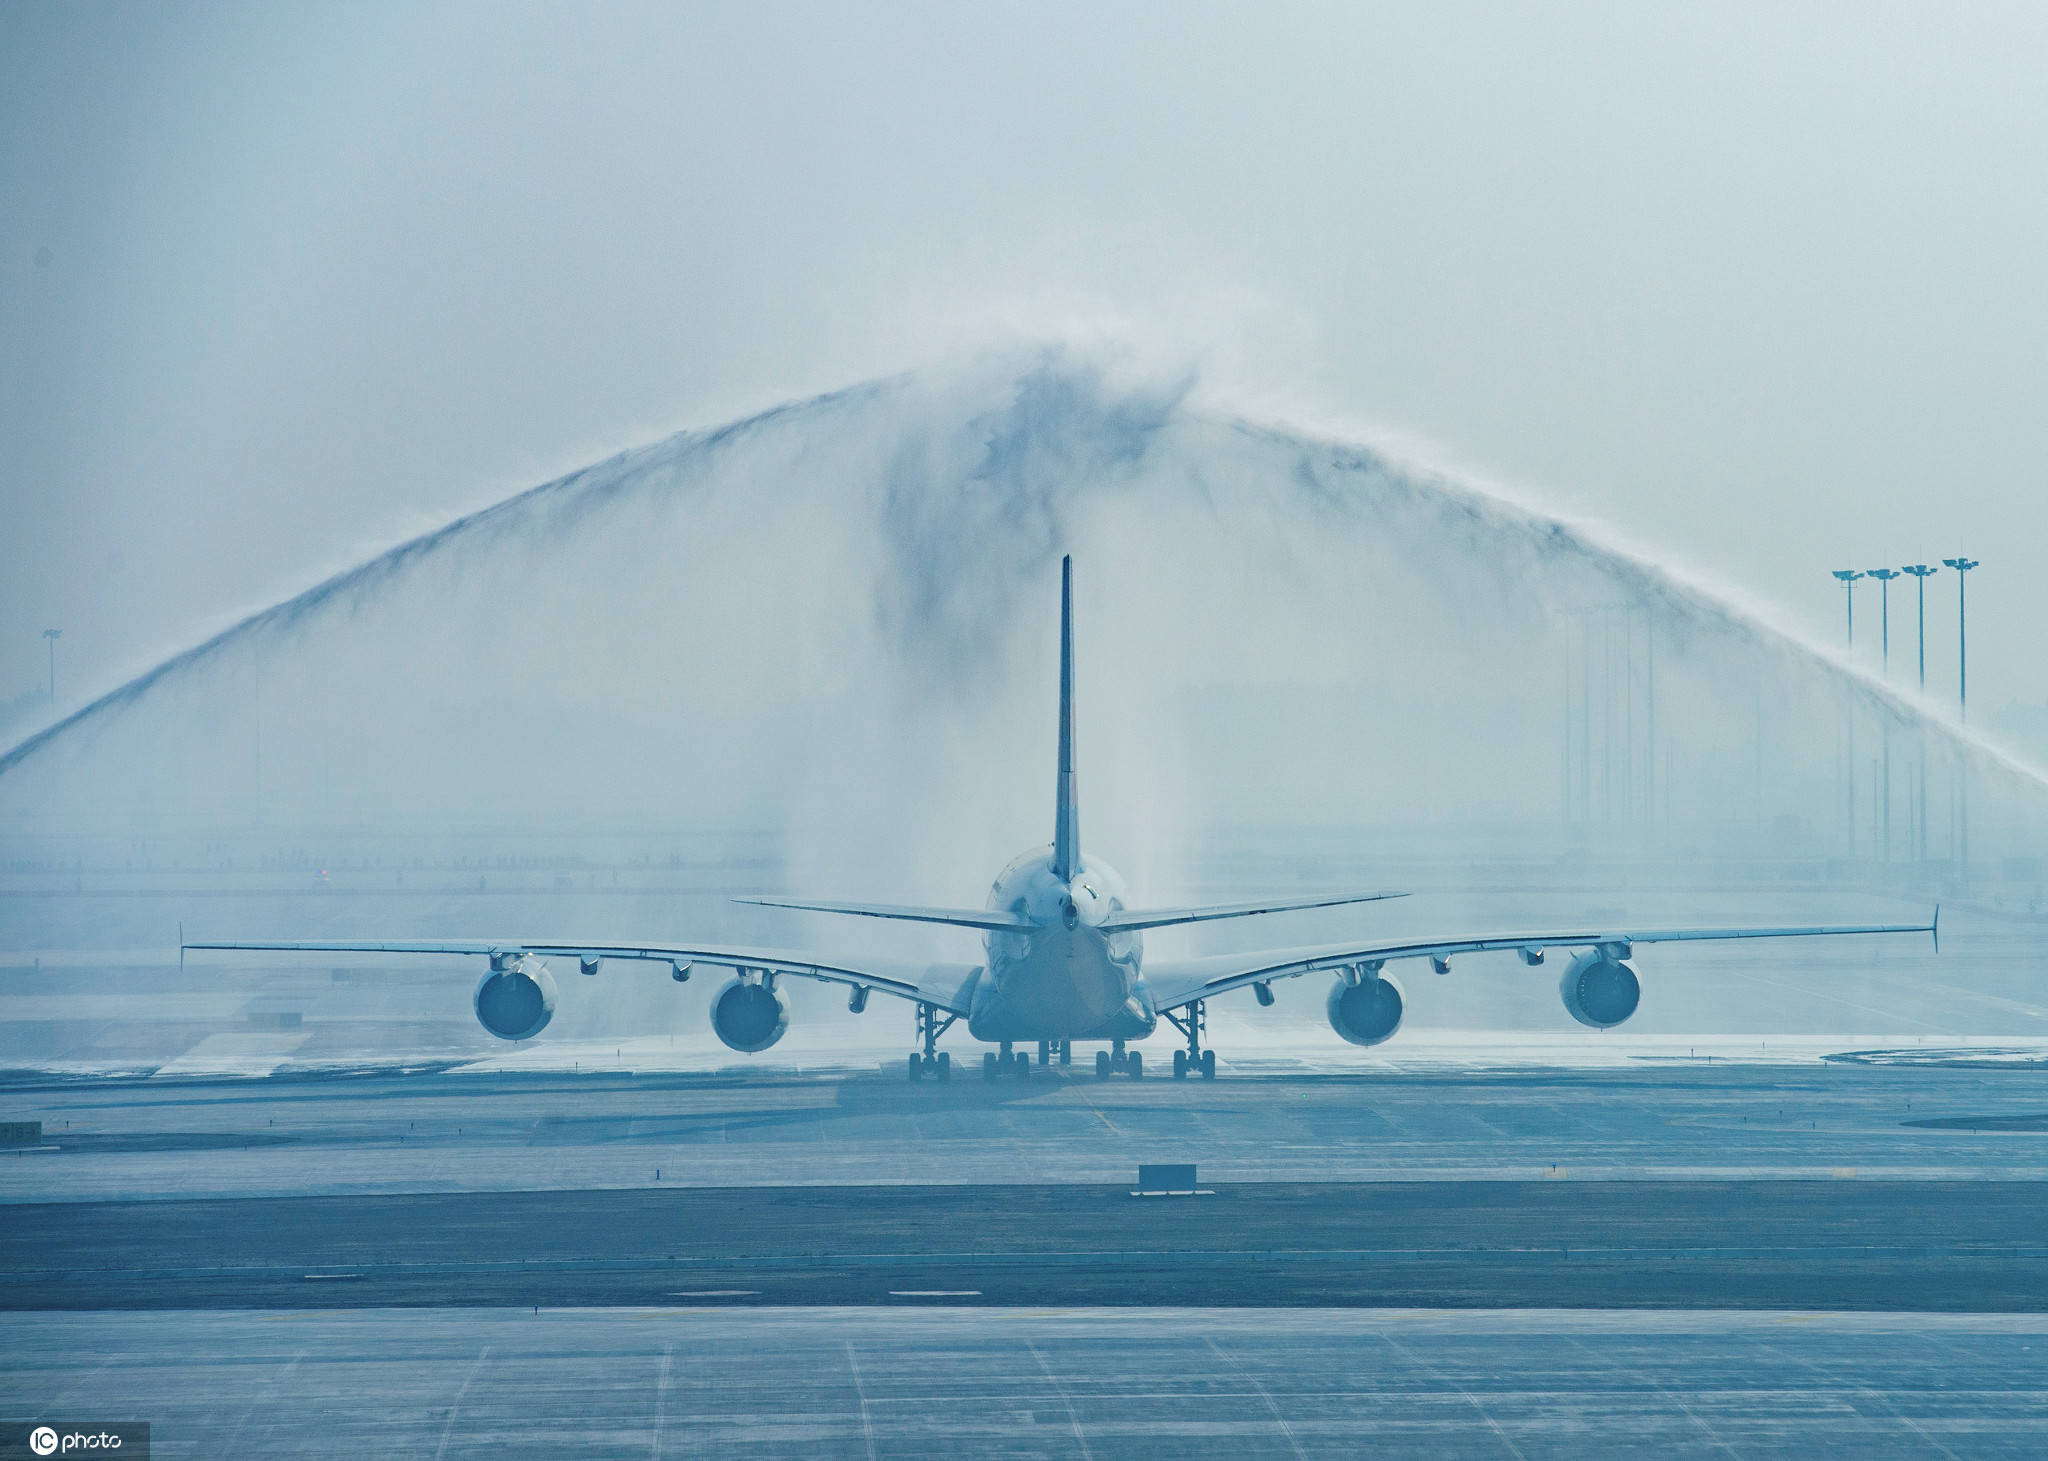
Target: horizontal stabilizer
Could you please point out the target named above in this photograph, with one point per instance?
(1137, 918)
(956, 917)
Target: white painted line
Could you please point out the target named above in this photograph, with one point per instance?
(934, 1293)
(714, 1293)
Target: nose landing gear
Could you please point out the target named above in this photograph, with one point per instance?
(1194, 1025)
(1116, 1058)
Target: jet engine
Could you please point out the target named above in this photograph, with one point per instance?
(516, 998)
(749, 1017)
(1599, 990)
(1368, 1012)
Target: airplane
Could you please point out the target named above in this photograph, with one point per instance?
(1064, 959)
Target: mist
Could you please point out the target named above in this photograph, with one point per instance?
(814, 649)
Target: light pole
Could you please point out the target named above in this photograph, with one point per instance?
(1962, 566)
(1884, 577)
(1921, 573)
(53, 635)
(1848, 576)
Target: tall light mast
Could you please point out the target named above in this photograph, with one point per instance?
(1962, 566)
(1884, 577)
(1921, 573)
(1848, 576)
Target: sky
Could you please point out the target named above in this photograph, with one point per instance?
(1760, 286)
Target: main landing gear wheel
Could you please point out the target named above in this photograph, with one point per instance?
(1208, 1065)
(1135, 1063)
(1023, 1066)
(916, 1066)
(1180, 1065)
(1102, 1065)
(945, 1066)
(988, 1065)
(1066, 1052)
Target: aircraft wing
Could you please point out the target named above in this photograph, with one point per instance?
(1140, 918)
(949, 986)
(1174, 983)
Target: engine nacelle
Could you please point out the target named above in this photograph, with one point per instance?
(515, 1001)
(1599, 991)
(749, 1017)
(1366, 1013)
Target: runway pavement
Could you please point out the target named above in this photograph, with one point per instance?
(869, 1383)
(1773, 1244)
(1921, 1113)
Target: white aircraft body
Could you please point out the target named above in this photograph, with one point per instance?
(1064, 959)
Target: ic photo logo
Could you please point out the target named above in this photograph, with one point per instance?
(49, 1441)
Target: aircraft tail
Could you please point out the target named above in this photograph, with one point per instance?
(1066, 834)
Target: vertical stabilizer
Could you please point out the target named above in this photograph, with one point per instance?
(1066, 834)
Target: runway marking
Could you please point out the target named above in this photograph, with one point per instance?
(934, 1293)
(1674, 1397)
(1083, 1093)
(668, 1355)
(1442, 1379)
(273, 1388)
(714, 1293)
(456, 1409)
(1278, 1419)
(1905, 1420)
(867, 1424)
(1072, 1419)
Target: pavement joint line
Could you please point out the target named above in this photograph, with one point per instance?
(1072, 1257)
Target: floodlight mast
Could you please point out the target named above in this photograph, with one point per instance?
(1848, 576)
(1921, 573)
(1884, 577)
(1962, 566)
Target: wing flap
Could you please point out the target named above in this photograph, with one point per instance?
(949, 986)
(1140, 918)
(1177, 982)
(982, 918)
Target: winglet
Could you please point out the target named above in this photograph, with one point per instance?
(181, 945)
(1935, 928)
(1066, 835)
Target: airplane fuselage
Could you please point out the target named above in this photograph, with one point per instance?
(1065, 977)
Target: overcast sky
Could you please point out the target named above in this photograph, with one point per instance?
(1762, 284)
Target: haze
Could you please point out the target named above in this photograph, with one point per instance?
(1756, 284)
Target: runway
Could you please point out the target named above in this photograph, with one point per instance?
(863, 1383)
(1920, 1113)
(1487, 1258)
(1842, 1245)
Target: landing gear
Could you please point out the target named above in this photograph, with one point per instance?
(930, 1061)
(1066, 1052)
(1115, 1059)
(1194, 1058)
(1044, 1053)
(1006, 1061)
